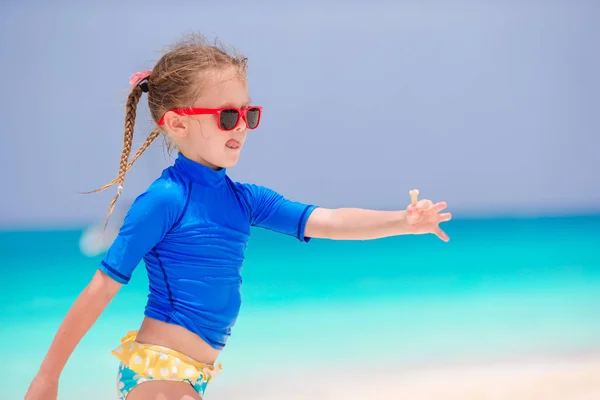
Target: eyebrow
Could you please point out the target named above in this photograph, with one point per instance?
(244, 104)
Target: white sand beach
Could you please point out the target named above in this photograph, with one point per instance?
(568, 378)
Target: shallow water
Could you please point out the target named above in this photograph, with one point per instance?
(501, 288)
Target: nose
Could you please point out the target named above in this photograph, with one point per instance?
(241, 126)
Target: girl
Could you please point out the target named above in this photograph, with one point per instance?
(191, 227)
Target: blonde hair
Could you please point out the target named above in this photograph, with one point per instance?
(173, 83)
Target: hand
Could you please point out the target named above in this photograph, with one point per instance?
(43, 388)
(423, 216)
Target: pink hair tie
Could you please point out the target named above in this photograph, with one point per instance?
(138, 78)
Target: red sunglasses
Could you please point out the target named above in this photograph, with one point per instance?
(227, 117)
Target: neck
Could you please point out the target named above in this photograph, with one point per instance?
(199, 172)
(199, 160)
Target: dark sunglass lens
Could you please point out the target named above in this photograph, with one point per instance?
(229, 119)
(253, 117)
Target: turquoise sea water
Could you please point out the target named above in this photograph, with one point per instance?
(501, 288)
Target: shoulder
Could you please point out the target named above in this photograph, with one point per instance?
(242, 187)
(251, 189)
(259, 197)
(251, 192)
(169, 190)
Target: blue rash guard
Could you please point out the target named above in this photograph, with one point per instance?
(191, 228)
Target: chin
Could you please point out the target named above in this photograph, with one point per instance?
(229, 162)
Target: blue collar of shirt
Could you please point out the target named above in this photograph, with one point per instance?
(199, 173)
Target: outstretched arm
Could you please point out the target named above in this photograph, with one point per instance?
(420, 217)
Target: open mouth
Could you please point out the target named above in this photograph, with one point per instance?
(233, 144)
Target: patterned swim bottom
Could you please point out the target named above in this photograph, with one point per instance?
(142, 362)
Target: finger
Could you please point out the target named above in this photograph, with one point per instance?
(441, 234)
(437, 207)
(444, 217)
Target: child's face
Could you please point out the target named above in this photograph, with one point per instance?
(198, 136)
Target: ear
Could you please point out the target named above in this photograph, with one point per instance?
(176, 124)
